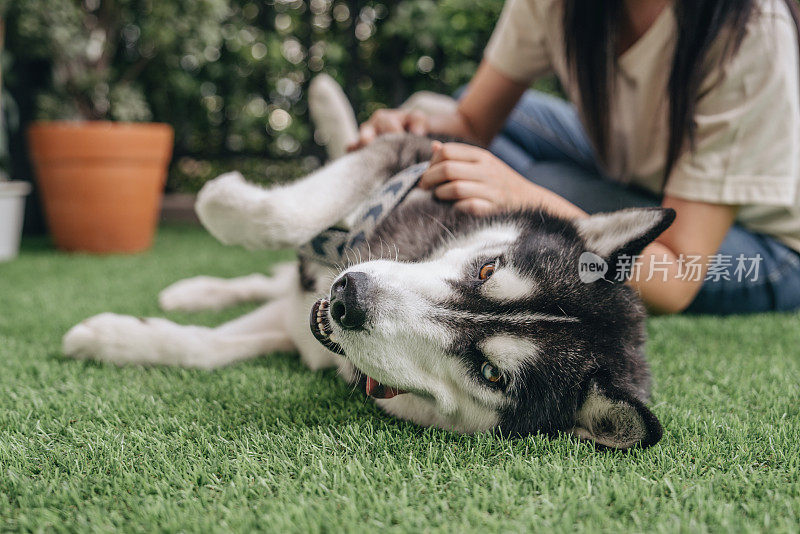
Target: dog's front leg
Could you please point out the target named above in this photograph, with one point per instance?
(122, 339)
(211, 293)
(239, 213)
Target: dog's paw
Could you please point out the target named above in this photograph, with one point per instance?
(198, 293)
(122, 339)
(332, 115)
(224, 207)
(79, 342)
(101, 337)
(239, 213)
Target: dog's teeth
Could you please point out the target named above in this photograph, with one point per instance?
(323, 323)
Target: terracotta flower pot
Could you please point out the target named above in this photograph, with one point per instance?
(101, 182)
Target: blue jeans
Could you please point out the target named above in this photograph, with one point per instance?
(544, 141)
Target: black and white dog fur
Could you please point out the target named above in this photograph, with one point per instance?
(449, 320)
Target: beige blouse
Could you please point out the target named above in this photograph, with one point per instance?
(748, 112)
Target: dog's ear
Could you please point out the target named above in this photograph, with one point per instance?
(615, 419)
(618, 236)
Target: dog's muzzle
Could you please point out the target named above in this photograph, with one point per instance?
(348, 295)
(348, 309)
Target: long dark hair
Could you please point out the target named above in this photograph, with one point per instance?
(591, 29)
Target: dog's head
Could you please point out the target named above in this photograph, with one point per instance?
(504, 327)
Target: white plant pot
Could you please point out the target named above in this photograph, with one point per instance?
(12, 211)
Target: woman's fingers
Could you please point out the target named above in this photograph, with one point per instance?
(455, 152)
(445, 171)
(366, 134)
(416, 122)
(462, 190)
(386, 121)
(436, 146)
(461, 152)
(476, 206)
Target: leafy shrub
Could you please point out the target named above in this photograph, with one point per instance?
(98, 49)
(231, 75)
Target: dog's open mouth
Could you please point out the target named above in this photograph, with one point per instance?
(320, 323)
(376, 390)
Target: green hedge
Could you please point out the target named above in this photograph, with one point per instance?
(231, 75)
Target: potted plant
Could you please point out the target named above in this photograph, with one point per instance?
(100, 165)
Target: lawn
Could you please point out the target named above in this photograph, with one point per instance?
(269, 445)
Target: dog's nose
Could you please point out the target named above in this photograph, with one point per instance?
(347, 300)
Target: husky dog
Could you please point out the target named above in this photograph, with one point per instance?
(446, 319)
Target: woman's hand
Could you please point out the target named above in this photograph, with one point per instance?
(481, 112)
(476, 180)
(385, 121)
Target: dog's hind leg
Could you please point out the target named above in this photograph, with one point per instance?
(211, 293)
(334, 119)
(240, 213)
(122, 339)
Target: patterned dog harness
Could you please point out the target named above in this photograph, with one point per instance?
(331, 246)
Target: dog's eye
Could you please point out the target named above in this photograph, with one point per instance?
(486, 271)
(490, 372)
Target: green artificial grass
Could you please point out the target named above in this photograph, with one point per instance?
(269, 445)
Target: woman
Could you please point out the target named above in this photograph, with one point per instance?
(691, 104)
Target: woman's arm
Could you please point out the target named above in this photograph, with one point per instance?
(480, 114)
(663, 279)
(487, 103)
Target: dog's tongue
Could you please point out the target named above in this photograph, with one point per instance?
(376, 390)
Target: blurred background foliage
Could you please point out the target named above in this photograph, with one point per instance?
(231, 75)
